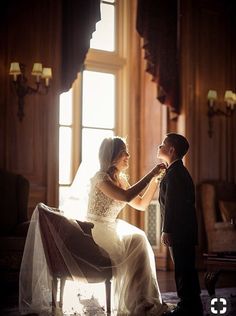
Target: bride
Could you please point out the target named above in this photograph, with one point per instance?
(135, 284)
(135, 287)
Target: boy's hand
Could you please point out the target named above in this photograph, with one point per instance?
(166, 239)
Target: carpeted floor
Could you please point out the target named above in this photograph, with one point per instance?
(229, 294)
(210, 307)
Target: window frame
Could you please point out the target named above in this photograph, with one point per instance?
(115, 62)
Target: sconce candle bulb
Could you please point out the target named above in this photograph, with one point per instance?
(17, 70)
(234, 101)
(37, 71)
(211, 97)
(230, 100)
(47, 75)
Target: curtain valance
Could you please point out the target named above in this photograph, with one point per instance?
(157, 24)
(79, 18)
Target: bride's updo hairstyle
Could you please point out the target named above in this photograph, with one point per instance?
(109, 152)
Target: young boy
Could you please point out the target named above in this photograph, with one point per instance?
(179, 224)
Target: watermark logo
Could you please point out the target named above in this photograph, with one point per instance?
(218, 306)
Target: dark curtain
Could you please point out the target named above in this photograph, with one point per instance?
(79, 18)
(157, 24)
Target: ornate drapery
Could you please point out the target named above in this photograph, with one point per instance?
(79, 18)
(157, 24)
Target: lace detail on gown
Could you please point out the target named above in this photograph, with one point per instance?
(100, 205)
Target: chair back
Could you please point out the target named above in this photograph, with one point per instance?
(221, 234)
(91, 260)
(211, 192)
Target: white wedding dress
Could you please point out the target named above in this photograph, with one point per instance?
(135, 289)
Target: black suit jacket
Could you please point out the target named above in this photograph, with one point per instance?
(177, 203)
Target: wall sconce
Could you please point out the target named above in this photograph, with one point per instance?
(17, 70)
(230, 102)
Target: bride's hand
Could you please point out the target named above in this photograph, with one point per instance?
(161, 167)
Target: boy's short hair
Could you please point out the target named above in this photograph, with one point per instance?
(179, 142)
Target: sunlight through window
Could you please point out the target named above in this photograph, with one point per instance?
(88, 112)
(98, 99)
(66, 108)
(98, 119)
(91, 140)
(104, 36)
(65, 143)
(65, 155)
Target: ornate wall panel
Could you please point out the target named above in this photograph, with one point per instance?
(30, 147)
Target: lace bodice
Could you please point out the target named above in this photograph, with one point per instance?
(99, 204)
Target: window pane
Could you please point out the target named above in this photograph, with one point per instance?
(91, 141)
(66, 108)
(63, 194)
(65, 141)
(98, 99)
(104, 36)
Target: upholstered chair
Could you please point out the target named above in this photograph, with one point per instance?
(218, 204)
(14, 192)
(92, 261)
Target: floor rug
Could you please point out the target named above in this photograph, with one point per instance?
(223, 303)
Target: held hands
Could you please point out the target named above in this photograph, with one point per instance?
(166, 239)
